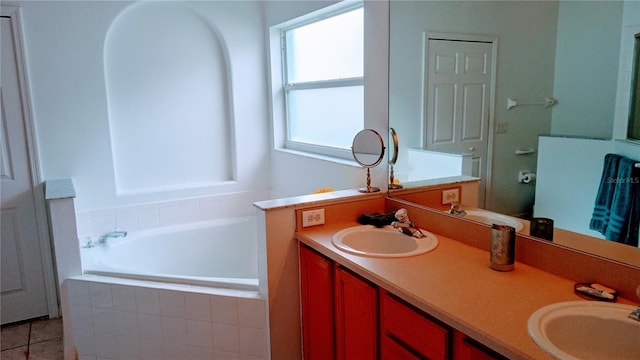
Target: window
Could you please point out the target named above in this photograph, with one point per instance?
(323, 82)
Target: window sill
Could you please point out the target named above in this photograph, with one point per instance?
(630, 141)
(331, 159)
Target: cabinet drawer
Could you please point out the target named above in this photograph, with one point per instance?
(412, 328)
(466, 348)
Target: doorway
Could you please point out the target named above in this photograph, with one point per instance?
(459, 93)
(28, 283)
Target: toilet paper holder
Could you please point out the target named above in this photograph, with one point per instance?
(526, 176)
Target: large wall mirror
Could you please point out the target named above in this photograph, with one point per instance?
(559, 61)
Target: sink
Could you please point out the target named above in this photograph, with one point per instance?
(368, 240)
(489, 217)
(586, 330)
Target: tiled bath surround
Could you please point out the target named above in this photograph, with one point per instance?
(112, 318)
(167, 213)
(120, 320)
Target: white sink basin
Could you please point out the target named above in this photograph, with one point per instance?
(368, 240)
(586, 330)
(489, 217)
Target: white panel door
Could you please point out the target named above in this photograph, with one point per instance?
(22, 278)
(458, 94)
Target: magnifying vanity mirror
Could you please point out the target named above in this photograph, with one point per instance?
(392, 160)
(368, 151)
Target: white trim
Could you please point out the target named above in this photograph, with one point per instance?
(320, 14)
(50, 284)
(321, 150)
(279, 86)
(336, 160)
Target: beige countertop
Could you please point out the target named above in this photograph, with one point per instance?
(454, 284)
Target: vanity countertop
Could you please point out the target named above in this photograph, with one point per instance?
(454, 284)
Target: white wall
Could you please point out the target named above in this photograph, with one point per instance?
(64, 45)
(569, 171)
(586, 98)
(630, 26)
(569, 174)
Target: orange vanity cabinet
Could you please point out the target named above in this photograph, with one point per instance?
(356, 310)
(316, 287)
(347, 317)
(409, 331)
(339, 310)
(466, 348)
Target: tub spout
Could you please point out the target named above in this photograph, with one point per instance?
(115, 233)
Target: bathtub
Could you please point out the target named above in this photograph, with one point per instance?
(219, 253)
(179, 292)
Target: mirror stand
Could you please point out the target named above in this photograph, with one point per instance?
(394, 158)
(368, 151)
(392, 184)
(369, 188)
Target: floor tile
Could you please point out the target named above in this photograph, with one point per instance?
(19, 353)
(14, 336)
(42, 330)
(38, 339)
(46, 350)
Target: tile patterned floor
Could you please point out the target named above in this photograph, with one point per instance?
(39, 339)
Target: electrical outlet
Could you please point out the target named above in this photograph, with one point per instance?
(312, 217)
(450, 196)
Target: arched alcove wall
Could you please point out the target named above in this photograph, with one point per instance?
(168, 91)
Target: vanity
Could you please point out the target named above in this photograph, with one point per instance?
(443, 304)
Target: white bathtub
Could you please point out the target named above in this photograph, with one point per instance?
(219, 253)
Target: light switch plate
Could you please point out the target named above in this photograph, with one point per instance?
(312, 217)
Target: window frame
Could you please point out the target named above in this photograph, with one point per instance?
(281, 86)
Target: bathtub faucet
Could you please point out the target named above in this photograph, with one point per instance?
(115, 233)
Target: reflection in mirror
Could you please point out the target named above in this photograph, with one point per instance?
(368, 151)
(393, 183)
(545, 49)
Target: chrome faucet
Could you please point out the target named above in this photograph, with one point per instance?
(456, 209)
(406, 225)
(115, 233)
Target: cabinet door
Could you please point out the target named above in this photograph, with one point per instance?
(390, 349)
(466, 348)
(412, 329)
(356, 308)
(316, 287)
